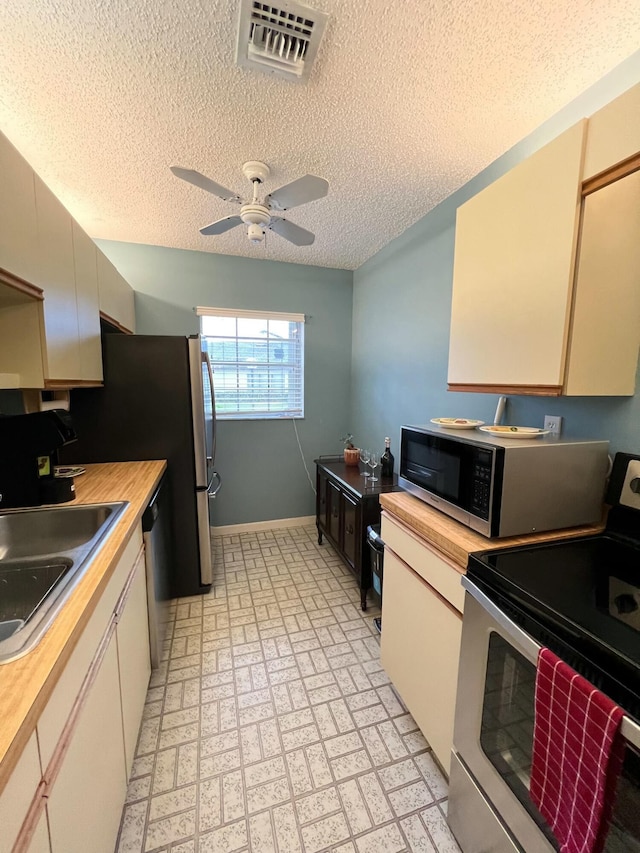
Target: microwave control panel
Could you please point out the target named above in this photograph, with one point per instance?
(481, 483)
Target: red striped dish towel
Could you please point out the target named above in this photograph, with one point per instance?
(577, 755)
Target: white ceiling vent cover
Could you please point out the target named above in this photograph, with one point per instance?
(282, 39)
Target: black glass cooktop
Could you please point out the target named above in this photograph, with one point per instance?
(579, 597)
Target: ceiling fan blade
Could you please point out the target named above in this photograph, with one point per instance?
(205, 183)
(221, 225)
(305, 189)
(291, 232)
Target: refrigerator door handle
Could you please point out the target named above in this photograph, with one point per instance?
(212, 399)
(218, 478)
(198, 413)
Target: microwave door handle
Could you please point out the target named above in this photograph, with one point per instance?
(629, 729)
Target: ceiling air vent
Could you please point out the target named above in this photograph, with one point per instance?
(280, 39)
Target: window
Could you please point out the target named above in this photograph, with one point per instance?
(258, 362)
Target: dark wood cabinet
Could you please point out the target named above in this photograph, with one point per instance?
(345, 506)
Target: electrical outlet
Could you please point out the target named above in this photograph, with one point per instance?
(554, 424)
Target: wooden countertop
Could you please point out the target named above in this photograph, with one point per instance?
(456, 540)
(27, 683)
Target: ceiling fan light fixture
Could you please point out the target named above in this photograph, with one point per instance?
(255, 233)
(259, 215)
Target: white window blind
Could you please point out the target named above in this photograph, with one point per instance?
(258, 362)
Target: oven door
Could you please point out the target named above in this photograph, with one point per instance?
(490, 808)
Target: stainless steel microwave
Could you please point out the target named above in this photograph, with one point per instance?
(501, 486)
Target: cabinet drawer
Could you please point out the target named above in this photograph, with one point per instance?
(443, 575)
(420, 648)
(59, 706)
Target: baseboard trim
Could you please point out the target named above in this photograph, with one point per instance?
(253, 526)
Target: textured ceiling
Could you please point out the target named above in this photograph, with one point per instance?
(406, 102)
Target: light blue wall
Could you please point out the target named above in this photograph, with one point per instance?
(401, 314)
(260, 463)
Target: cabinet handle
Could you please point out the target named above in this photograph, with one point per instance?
(350, 529)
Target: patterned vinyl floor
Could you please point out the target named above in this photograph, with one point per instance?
(271, 726)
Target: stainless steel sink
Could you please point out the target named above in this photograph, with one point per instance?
(43, 555)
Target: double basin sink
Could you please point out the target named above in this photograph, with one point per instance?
(43, 555)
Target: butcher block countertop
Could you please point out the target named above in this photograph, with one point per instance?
(27, 683)
(457, 541)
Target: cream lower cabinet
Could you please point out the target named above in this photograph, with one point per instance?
(16, 798)
(87, 732)
(420, 643)
(134, 661)
(85, 802)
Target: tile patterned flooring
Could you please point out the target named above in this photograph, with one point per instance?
(271, 725)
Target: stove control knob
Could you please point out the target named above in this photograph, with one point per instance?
(634, 485)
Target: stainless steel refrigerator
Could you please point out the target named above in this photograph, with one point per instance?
(158, 402)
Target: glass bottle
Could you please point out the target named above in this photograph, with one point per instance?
(386, 460)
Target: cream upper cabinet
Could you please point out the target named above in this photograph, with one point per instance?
(52, 342)
(605, 332)
(85, 253)
(18, 228)
(547, 267)
(513, 274)
(56, 276)
(116, 295)
(614, 134)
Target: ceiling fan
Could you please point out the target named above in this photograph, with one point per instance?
(258, 215)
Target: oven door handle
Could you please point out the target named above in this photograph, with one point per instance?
(629, 729)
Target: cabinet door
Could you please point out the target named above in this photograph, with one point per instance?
(613, 134)
(18, 794)
(116, 296)
(321, 499)
(86, 275)
(18, 226)
(350, 525)
(513, 273)
(605, 334)
(56, 277)
(420, 647)
(134, 659)
(85, 803)
(333, 512)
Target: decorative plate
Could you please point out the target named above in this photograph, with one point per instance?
(514, 431)
(457, 423)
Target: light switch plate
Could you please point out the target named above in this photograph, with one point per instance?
(628, 495)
